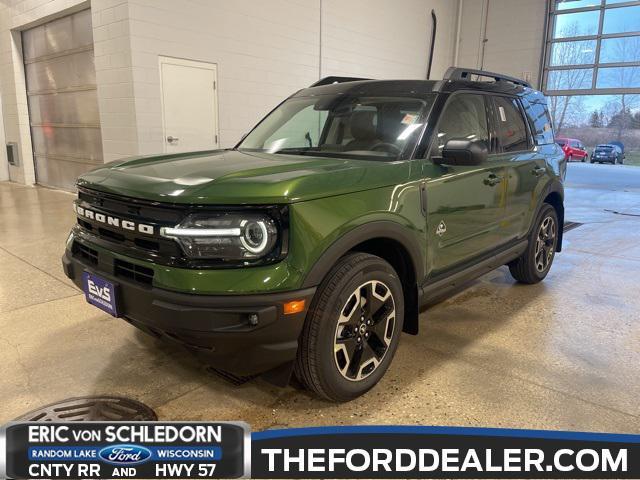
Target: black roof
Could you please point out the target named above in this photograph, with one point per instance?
(455, 79)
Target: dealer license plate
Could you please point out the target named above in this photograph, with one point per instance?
(100, 292)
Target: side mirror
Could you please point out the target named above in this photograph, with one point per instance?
(463, 152)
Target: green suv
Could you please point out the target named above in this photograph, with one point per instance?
(313, 244)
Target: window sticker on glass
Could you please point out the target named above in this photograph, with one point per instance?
(409, 119)
(503, 116)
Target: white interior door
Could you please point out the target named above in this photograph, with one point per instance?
(189, 105)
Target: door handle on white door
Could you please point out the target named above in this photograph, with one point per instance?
(171, 139)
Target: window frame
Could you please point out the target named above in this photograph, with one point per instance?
(603, 7)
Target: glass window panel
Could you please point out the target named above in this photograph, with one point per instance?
(618, 77)
(576, 24)
(567, 4)
(512, 132)
(624, 49)
(464, 117)
(618, 1)
(623, 19)
(535, 107)
(573, 53)
(571, 79)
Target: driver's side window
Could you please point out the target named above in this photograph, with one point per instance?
(464, 117)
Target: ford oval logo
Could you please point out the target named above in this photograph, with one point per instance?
(125, 454)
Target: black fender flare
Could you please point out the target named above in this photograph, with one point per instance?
(376, 229)
(554, 186)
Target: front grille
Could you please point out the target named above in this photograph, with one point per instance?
(131, 227)
(134, 272)
(131, 242)
(85, 253)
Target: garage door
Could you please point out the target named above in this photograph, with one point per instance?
(63, 106)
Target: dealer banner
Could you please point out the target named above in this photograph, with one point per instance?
(442, 452)
(125, 450)
(159, 450)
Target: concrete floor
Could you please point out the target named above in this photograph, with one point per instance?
(564, 354)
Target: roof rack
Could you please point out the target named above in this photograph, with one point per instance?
(457, 73)
(333, 79)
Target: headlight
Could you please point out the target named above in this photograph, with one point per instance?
(225, 236)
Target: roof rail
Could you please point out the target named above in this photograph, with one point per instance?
(332, 79)
(457, 73)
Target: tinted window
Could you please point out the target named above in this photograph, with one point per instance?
(510, 126)
(536, 110)
(464, 117)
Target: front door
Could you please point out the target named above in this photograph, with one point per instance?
(189, 105)
(465, 204)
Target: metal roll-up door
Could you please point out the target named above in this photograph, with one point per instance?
(63, 104)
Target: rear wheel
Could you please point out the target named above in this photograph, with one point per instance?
(534, 264)
(352, 329)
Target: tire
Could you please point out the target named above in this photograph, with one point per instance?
(534, 264)
(328, 347)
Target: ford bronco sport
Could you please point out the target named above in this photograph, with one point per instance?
(311, 245)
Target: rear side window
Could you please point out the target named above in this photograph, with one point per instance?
(464, 117)
(510, 125)
(535, 108)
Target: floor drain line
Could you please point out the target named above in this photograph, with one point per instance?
(570, 226)
(622, 213)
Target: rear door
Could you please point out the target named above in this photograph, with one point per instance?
(465, 204)
(526, 167)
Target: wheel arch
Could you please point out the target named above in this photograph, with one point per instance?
(555, 197)
(390, 241)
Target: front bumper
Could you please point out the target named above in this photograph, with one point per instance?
(214, 327)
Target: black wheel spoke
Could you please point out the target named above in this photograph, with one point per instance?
(376, 345)
(354, 364)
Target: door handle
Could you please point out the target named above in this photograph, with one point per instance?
(492, 180)
(538, 171)
(171, 139)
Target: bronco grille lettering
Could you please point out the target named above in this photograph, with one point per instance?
(113, 221)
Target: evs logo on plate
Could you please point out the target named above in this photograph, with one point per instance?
(125, 454)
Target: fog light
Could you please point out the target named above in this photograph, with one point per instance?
(253, 319)
(295, 306)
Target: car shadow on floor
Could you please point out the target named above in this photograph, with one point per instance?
(448, 328)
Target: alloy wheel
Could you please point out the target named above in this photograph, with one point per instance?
(545, 244)
(364, 331)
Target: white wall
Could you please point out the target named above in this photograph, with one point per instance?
(515, 31)
(267, 50)
(264, 50)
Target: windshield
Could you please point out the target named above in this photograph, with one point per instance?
(367, 127)
(604, 147)
(561, 142)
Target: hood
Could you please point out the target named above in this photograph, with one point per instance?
(235, 177)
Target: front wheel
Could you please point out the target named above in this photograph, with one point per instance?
(534, 264)
(352, 328)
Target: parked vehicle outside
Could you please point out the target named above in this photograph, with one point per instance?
(314, 243)
(573, 149)
(607, 153)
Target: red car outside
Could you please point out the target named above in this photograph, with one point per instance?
(573, 149)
